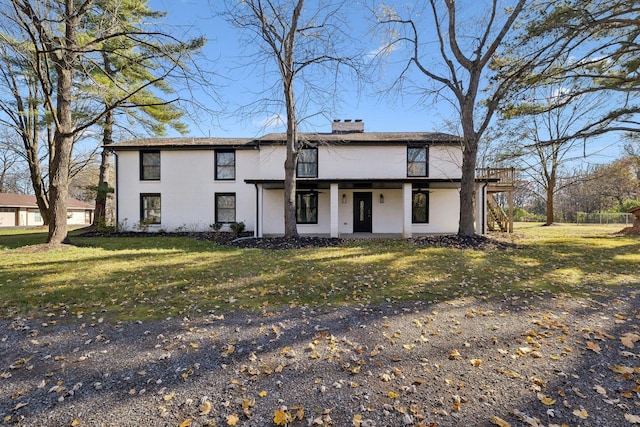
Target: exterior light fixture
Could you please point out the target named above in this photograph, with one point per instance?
(344, 199)
(381, 198)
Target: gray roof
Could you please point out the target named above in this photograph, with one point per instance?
(29, 201)
(194, 143)
(354, 138)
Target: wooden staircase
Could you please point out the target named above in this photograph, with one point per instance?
(499, 180)
(497, 218)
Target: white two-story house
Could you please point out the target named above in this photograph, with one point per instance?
(348, 181)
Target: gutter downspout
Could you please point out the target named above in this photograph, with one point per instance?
(256, 233)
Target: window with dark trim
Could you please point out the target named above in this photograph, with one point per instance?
(307, 163)
(150, 208)
(150, 165)
(417, 161)
(225, 164)
(225, 208)
(307, 207)
(420, 207)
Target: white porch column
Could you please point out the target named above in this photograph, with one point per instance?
(407, 196)
(334, 207)
(259, 232)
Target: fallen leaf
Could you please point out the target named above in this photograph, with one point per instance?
(633, 419)
(393, 395)
(281, 417)
(545, 399)
(581, 413)
(185, 423)
(455, 354)
(476, 362)
(357, 420)
(500, 422)
(232, 420)
(75, 423)
(594, 347)
(600, 390)
(205, 408)
(263, 393)
(629, 338)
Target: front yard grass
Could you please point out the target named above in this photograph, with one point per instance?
(138, 278)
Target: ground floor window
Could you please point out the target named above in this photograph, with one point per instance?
(225, 208)
(150, 208)
(307, 207)
(420, 207)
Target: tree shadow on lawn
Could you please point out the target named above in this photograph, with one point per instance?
(390, 363)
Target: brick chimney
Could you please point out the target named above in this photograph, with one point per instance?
(347, 126)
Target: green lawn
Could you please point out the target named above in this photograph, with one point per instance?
(145, 278)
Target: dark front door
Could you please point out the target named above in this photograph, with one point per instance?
(362, 212)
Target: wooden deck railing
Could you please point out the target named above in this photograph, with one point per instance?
(506, 176)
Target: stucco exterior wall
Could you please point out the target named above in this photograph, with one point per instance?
(187, 188)
(362, 162)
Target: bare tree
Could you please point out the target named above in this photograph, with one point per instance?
(298, 40)
(547, 130)
(459, 65)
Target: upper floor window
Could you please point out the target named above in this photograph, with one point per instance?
(420, 207)
(150, 208)
(307, 163)
(417, 161)
(307, 207)
(225, 207)
(150, 165)
(225, 164)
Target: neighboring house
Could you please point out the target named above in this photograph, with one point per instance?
(635, 215)
(21, 210)
(348, 181)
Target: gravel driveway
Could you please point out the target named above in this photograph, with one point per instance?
(548, 360)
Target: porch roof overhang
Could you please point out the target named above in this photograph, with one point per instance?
(360, 183)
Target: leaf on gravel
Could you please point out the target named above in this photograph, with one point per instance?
(75, 423)
(545, 399)
(393, 395)
(263, 393)
(500, 422)
(232, 420)
(185, 423)
(357, 420)
(281, 417)
(600, 390)
(581, 413)
(619, 369)
(455, 354)
(629, 338)
(205, 408)
(476, 362)
(594, 347)
(19, 405)
(633, 419)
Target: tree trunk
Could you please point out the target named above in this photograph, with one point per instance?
(102, 189)
(61, 160)
(64, 60)
(550, 214)
(291, 161)
(466, 225)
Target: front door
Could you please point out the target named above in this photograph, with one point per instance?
(362, 213)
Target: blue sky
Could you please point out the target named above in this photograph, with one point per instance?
(239, 83)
